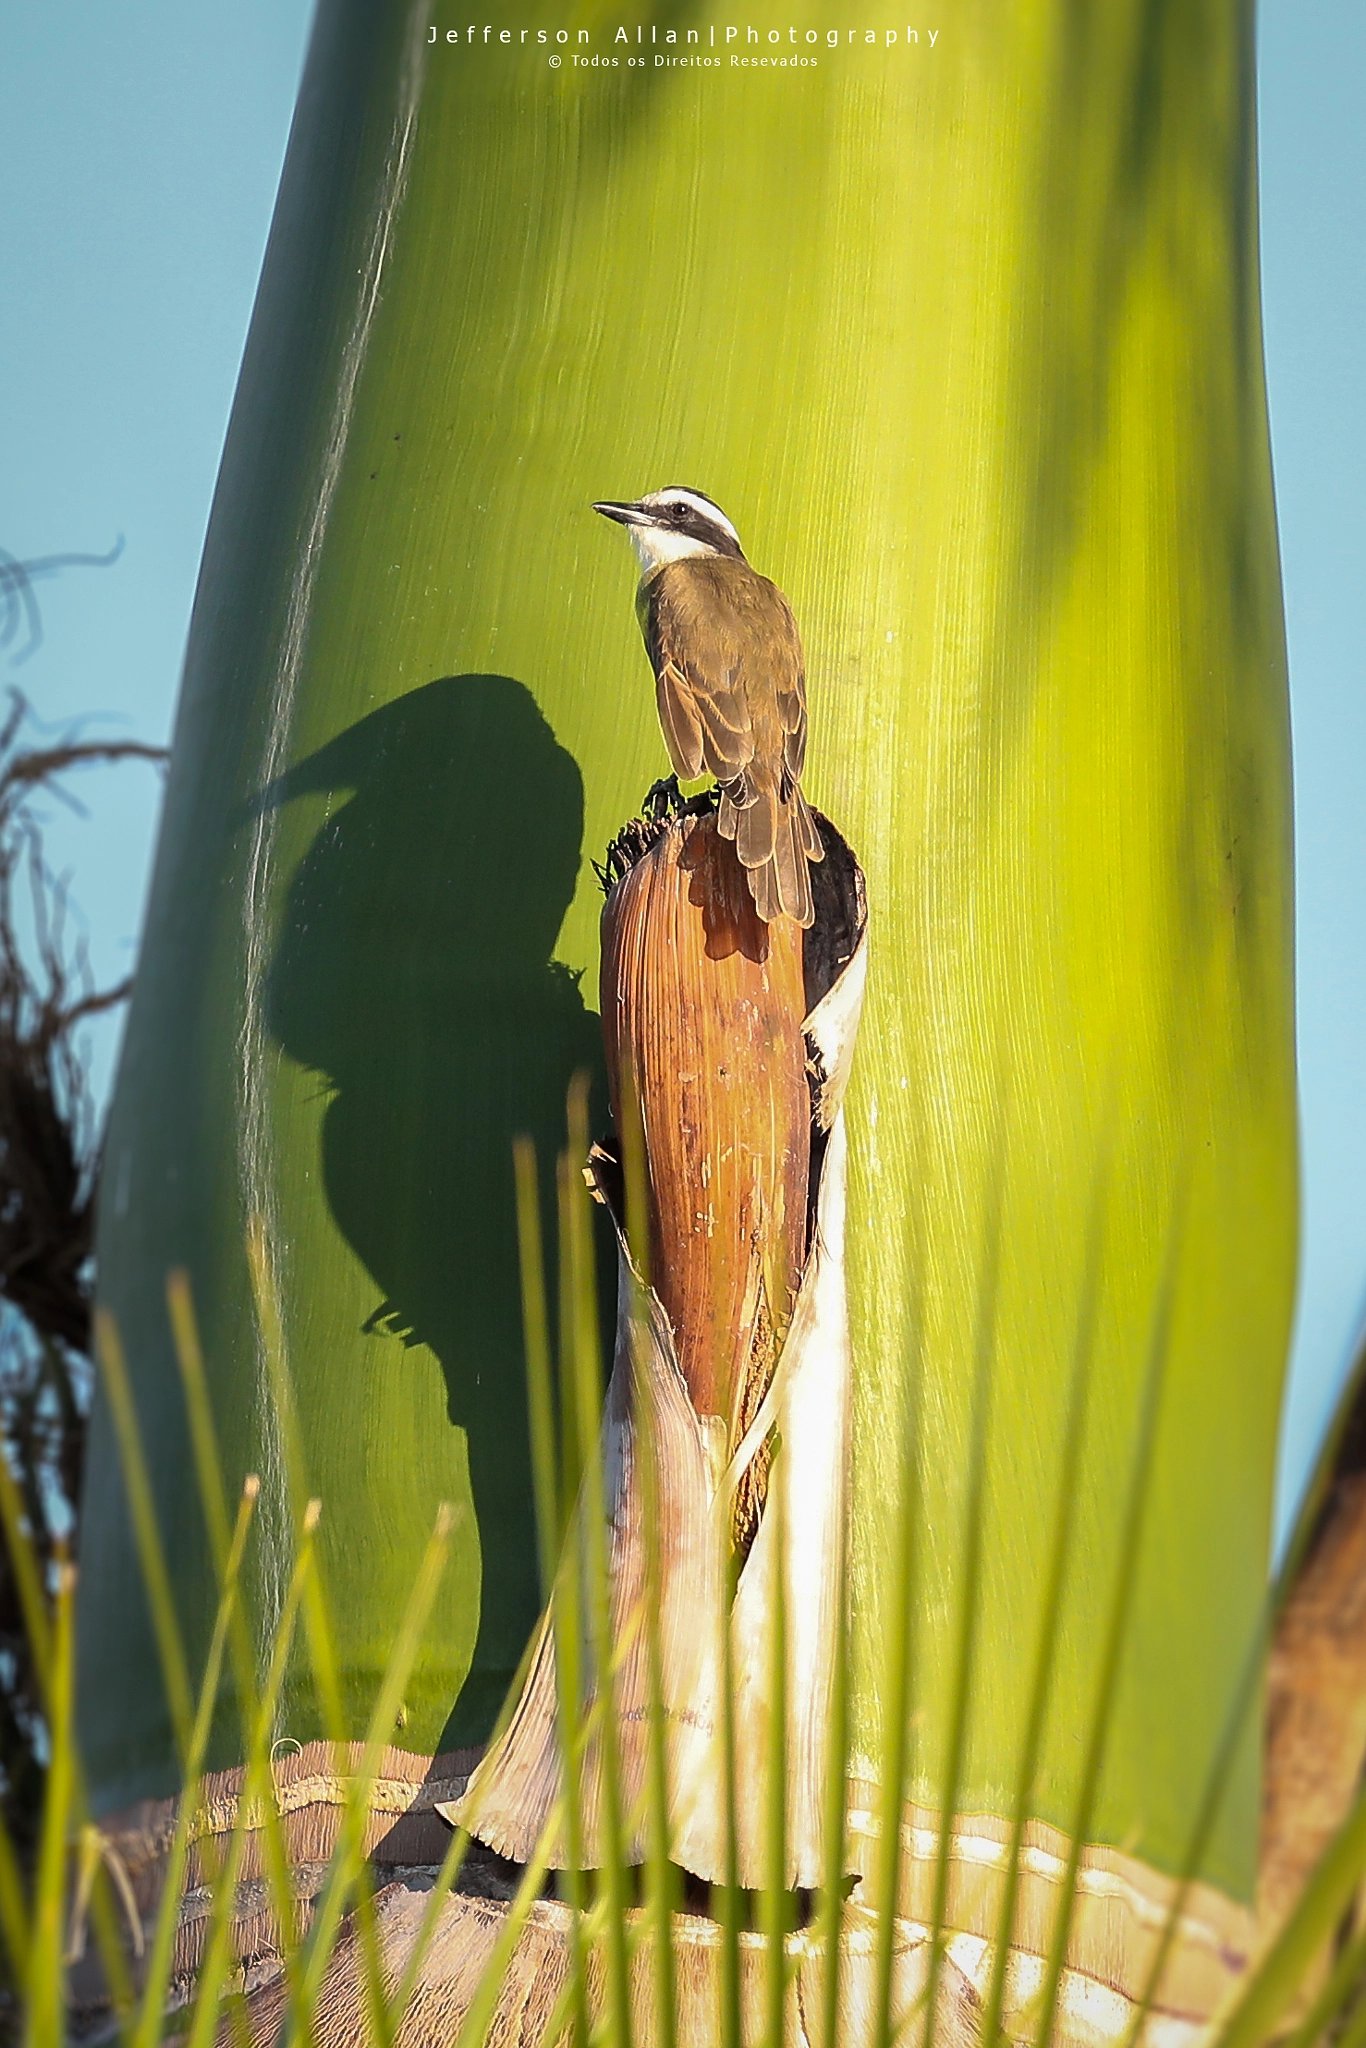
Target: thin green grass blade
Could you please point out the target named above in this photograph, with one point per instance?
(349, 1869)
(1316, 1917)
(536, 1336)
(571, 1449)
(189, 1358)
(726, 1897)
(148, 2028)
(635, 1176)
(209, 1473)
(108, 1915)
(452, 1863)
(1352, 2017)
(898, 1666)
(155, 1574)
(1336, 2000)
(1325, 1471)
(1060, 1555)
(269, 1321)
(46, 1979)
(26, 1576)
(590, 1926)
(475, 2025)
(569, 1632)
(13, 1908)
(541, 1414)
(831, 1906)
(102, 1900)
(451, 1866)
(14, 1912)
(256, 1722)
(661, 1881)
(561, 2012)
(587, 1366)
(216, 1960)
(965, 1644)
(208, 1464)
(773, 1901)
(55, 1374)
(727, 1901)
(321, 1636)
(1338, 1989)
(156, 1582)
(1131, 1537)
(1246, 1696)
(152, 1557)
(446, 1878)
(258, 1795)
(270, 1324)
(14, 1919)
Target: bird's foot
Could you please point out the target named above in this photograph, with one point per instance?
(663, 799)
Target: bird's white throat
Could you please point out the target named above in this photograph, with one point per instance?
(656, 546)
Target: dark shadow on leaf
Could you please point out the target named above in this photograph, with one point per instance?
(414, 971)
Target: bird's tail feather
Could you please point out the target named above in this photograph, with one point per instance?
(775, 842)
(781, 885)
(809, 837)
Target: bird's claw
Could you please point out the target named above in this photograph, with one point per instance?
(663, 800)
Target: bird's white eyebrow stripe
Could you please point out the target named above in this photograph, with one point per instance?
(698, 501)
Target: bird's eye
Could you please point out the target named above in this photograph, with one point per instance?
(679, 509)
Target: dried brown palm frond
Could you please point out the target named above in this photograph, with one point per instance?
(48, 1149)
(49, 1157)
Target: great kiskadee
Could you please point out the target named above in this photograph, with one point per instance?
(730, 686)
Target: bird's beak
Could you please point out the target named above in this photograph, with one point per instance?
(625, 515)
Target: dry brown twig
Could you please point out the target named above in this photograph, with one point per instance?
(49, 1164)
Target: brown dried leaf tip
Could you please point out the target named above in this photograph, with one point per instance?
(702, 1008)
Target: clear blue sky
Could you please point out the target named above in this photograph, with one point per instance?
(139, 153)
(1312, 63)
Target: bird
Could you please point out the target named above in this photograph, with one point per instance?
(730, 686)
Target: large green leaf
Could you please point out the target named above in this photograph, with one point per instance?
(964, 336)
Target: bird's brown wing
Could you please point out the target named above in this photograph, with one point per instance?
(792, 703)
(678, 716)
(732, 701)
(728, 668)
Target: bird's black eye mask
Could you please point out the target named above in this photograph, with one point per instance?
(685, 518)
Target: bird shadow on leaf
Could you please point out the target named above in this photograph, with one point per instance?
(413, 970)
